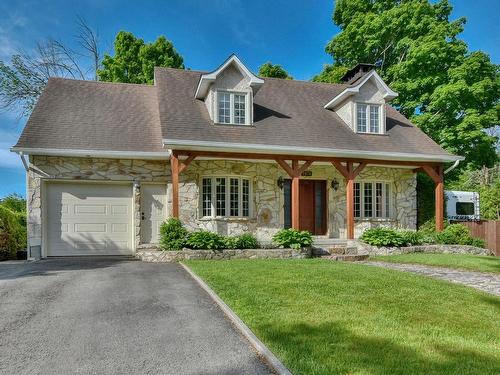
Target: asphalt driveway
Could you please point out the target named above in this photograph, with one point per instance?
(114, 316)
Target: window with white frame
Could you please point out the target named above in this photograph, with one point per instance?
(232, 108)
(368, 118)
(225, 197)
(372, 200)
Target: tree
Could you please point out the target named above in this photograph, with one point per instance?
(134, 60)
(23, 80)
(451, 93)
(273, 71)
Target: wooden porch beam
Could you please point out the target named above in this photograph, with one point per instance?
(350, 201)
(342, 170)
(439, 195)
(358, 169)
(244, 155)
(184, 164)
(304, 167)
(290, 171)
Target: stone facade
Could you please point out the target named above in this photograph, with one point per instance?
(177, 256)
(267, 198)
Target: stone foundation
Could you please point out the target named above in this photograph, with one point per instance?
(177, 256)
(445, 249)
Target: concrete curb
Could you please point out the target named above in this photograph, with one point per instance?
(259, 346)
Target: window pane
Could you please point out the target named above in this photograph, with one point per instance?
(220, 192)
(357, 200)
(465, 208)
(245, 197)
(361, 117)
(287, 207)
(234, 196)
(367, 201)
(206, 197)
(387, 201)
(224, 107)
(239, 109)
(378, 199)
(374, 118)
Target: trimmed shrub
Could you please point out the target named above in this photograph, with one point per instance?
(292, 238)
(411, 237)
(172, 235)
(382, 237)
(205, 240)
(457, 234)
(245, 241)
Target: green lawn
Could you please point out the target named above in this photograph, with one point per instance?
(323, 317)
(464, 261)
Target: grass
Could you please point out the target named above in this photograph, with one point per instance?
(322, 317)
(479, 263)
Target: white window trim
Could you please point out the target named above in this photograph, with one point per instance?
(362, 196)
(227, 197)
(232, 93)
(381, 117)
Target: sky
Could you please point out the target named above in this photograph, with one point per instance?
(292, 33)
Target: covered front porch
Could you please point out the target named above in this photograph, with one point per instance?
(332, 197)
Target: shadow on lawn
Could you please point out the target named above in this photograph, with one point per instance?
(330, 348)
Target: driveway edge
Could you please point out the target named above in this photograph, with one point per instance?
(259, 346)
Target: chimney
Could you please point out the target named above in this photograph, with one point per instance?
(356, 73)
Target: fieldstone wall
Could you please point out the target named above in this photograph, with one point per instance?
(177, 256)
(267, 198)
(88, 169)
(445, 249)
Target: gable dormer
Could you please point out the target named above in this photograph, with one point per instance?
(228, 93)
(362, 105)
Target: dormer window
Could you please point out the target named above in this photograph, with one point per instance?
(368, 118)
(232, 107)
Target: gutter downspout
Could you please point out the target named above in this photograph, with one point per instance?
(26, 166)
(455, 164)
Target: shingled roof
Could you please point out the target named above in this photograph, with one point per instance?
(89, 115)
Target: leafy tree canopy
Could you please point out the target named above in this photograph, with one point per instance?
(451, 93)
(134, 60)
(273, 71)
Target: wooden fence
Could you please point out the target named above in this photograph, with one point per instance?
(489, 231)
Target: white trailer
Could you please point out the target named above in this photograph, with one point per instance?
(462, 205)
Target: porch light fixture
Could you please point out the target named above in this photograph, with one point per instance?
(335, 184)
(280, 182)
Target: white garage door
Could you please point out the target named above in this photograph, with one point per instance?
(89, 219)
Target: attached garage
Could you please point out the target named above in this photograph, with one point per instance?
(88, 219)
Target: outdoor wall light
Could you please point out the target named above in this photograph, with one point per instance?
(335, 184)
(280, 182)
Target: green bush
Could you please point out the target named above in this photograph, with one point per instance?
(205, 240)
(292, 238)
(246, 241)
(382, 237)
(172, 235)
(457, 234)
(12, 232)
(411, 237)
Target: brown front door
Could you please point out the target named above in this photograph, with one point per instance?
(312, 205)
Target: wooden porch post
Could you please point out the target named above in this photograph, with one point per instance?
(437, 175)
(295, 196)
(174, 164)
(350, 202)
(439, 193)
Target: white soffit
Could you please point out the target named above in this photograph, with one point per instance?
(388, 93)
(207, 79)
